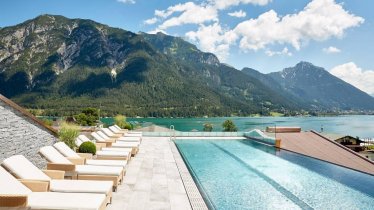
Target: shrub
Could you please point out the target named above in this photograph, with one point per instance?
(208, 127)
(68, 133)
(87, 147)
(47, 122)
(229, 126)
(128, 126)
(120, 120)
(89, 116)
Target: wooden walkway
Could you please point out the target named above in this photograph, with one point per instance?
(314, 145)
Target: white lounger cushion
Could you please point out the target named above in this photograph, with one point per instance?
(97, 137)
(114, 129)
(107, 132)
(53, 156)
(81, 186)
(128, 150)
(78, 141)
(121, 163)
(125, 144)
(117, 127)
(83, 138)
(129, 139)
(10, 185)
(72, 201)
(22, 168)
(133, 134)
(98, 170)
(103, 135)
(49, 200)
(112, 153)
(65, 150)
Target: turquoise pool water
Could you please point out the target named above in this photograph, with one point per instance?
(242, 174)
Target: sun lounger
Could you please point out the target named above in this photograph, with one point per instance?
(104, 151)
(87, 160)
(117, 131)
(57, 161)
(53, 180)
(110, 134)
(13, 193)
(133, 145)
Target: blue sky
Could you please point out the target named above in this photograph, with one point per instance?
(267, 35)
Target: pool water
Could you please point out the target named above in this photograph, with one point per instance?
(243, 174)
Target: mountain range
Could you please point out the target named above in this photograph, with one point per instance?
(62, 65)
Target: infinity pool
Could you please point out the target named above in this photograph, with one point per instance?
(243, 174)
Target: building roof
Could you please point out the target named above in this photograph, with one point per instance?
(317, 146)
(27, 114)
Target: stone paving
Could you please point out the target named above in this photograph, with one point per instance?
(152, 180)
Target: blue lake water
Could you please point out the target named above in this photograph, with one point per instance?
(355, 125)
(242, 174)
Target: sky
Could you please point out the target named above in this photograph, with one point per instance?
(267, 35)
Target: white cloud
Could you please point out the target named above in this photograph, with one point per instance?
(223, 4)
(319, 21)
(127, 1)
(238, 14)
(212, 38)
(190, 14)
(331, 50)
(285, 51)
(351, 73)
(156, 31)
(150, 21)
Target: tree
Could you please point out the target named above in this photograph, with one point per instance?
(89, 116)
(208, 127)
(229, 126)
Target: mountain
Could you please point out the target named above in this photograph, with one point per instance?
(316, 86)
(62, 65)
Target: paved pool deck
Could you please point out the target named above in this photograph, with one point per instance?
(152, 180)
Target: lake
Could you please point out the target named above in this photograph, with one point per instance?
(354, 125)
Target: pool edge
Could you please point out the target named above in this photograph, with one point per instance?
(194, 195)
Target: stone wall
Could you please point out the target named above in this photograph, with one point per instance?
(19, 134)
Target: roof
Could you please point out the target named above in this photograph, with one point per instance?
(27, 114)
(317, 146)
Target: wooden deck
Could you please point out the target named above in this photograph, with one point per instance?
(314, 145)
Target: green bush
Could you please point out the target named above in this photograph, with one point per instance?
(120, 120)
(68, 133)
(229, 126)
(47, 122)
(128, 126)
(87, 147)
(89, 116)
(208, 127)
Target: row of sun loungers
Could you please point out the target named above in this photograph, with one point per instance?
(90, 181)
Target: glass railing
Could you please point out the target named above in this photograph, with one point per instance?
(195, 134)
(261, 136)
